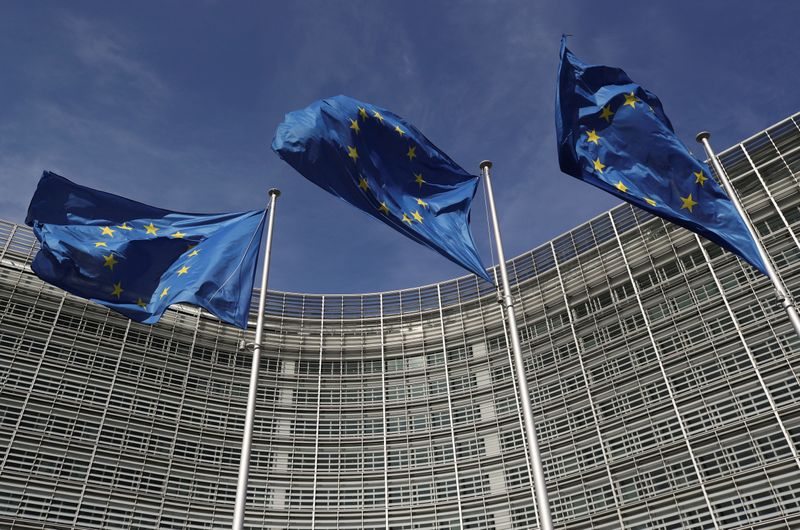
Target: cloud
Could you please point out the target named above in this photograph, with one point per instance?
(112, 58)
(177, 107)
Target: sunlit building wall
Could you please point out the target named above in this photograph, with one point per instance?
(662, 370)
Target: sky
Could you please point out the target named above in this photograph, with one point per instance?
(175, 104)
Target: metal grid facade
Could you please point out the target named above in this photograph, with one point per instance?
(662, 371)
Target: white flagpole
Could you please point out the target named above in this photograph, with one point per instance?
(247, 437)
(542, 502)
(780, 288)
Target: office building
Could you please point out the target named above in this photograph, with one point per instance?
(663, 373)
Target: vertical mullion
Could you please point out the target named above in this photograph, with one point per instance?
(750, 355)
(450, 404)
(319, 405)
(520, 419)
(586, 382)
(663, 370)
(770, 196)
(102, 422)
(8, 241)
(385, 426)
(171, 458)
(33, 383)
(780, 155)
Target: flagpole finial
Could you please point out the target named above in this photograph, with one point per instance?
(275, 191)
(485, 164)
(703, 135)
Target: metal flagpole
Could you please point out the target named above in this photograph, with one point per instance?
(247, 437)
(542, 503)
(783, 293)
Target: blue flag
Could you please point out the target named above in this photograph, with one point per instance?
(613, 133)
(137, 259)
(380, 163)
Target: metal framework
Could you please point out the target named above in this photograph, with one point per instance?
(662, 372)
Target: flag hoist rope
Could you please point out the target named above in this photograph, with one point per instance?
(542, 502)
(781, 290)
(247, 437)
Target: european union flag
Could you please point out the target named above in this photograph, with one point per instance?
(380, 163)
(613, 133)
(137, 259)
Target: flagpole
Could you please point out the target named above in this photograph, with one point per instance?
(247, 437)
(542, 502)
(783, 293)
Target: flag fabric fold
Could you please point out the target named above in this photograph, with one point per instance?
(613, 134)
(138, 259)
(383, 165)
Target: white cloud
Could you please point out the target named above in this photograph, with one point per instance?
(112, 57)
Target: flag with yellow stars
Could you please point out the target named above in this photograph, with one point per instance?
(381, 164)
(613, 133)
(138, 259)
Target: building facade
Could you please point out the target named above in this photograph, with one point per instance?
(663, 373)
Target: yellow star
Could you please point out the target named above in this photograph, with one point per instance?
(621, 187)
(100, 244)
(412, 152)
(400, 131)
(422, 203)
(151, 229)
(117, 290)
(651, 202)
(599, 165)
(377, 115)
(406, 219)
(688, 203)
(630, 99)
(124, 226)
(352, 153)
(110, 261)
(183, 270)
(592, 136)
(354, 126)
(606, 114)
(141, 303)
(384, 209)
(362, 183)
(107, 231)
(194, 253)
(165, 292)
(417, 216)
(699, 178)
(362, 112)
(178, 234)
(418, 179)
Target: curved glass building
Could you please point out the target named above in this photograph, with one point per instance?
(663, 373)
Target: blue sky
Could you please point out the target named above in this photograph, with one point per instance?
(175, 104)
